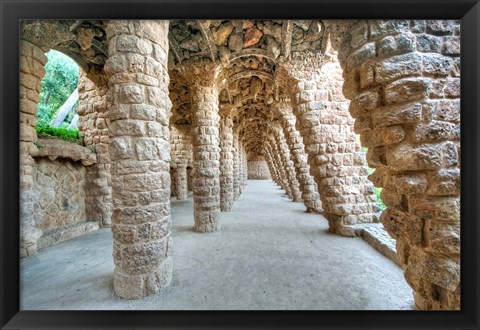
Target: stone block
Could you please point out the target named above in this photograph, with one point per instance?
(397, 114)
(451, 45)
(402, 226)
(437, 65)
(382, 136)
(405, 90)
(407, 157)
(428, 43)
(437, 269)
(398, 67)
(364, 53)
(399, 44)
(437, 131)
(131, 93)
(445, 182)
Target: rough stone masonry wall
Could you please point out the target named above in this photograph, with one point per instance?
(93, 128)
(258, 168)
(32, 69)
(336, 161)
(59, 207)
(403, 78)
(140, 156)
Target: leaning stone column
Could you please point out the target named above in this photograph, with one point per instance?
(276, 170)
(32, 70)
(140, 156)
(271, 167)
(336, 161)
(403, 80)
(287, 163)
(226, 164)
(309, 189)
(280, 167)
(206, 150)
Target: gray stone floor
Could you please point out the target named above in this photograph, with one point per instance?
(270, 254)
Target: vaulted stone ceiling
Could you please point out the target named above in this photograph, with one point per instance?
(248, 53)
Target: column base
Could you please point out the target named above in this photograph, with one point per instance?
(28, 241)
(137, 286)
(206, 228)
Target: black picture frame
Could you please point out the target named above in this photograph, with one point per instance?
(12, 11)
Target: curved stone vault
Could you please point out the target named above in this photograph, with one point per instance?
(158, 98)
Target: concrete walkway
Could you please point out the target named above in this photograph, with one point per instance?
(270, 254)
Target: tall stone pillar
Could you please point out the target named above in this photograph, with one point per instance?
(240, 166)
(32, 70)
(179, 141)
(140, 156)
(309, 189)
(236, 166)
(206, 149)
(245, 168)
(287, 163)
(180, 177)
(403, 80)
(271, 167)
(226, 164)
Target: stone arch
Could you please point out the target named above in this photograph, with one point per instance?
(38, 37)
(402, 78)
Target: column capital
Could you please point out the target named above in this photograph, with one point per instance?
(201, 72)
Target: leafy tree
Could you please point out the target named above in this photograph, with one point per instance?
(60, 80)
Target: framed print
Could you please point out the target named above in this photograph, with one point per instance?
(239, 164)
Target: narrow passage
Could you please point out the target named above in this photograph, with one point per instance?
(269, 254)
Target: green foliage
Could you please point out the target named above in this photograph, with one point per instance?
(60, 80)
(379, 200)
(63, 133)
(377, 189)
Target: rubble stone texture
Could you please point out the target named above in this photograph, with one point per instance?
(206, 149)
(258, 168)
(310, 195)
(226, 164)
(140, 156)
(93, 128)
(291, 95)
(61, 196)
(32, 63)
(181, 157)
(236, 166)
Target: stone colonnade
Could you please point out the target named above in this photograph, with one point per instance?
(399, 80)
